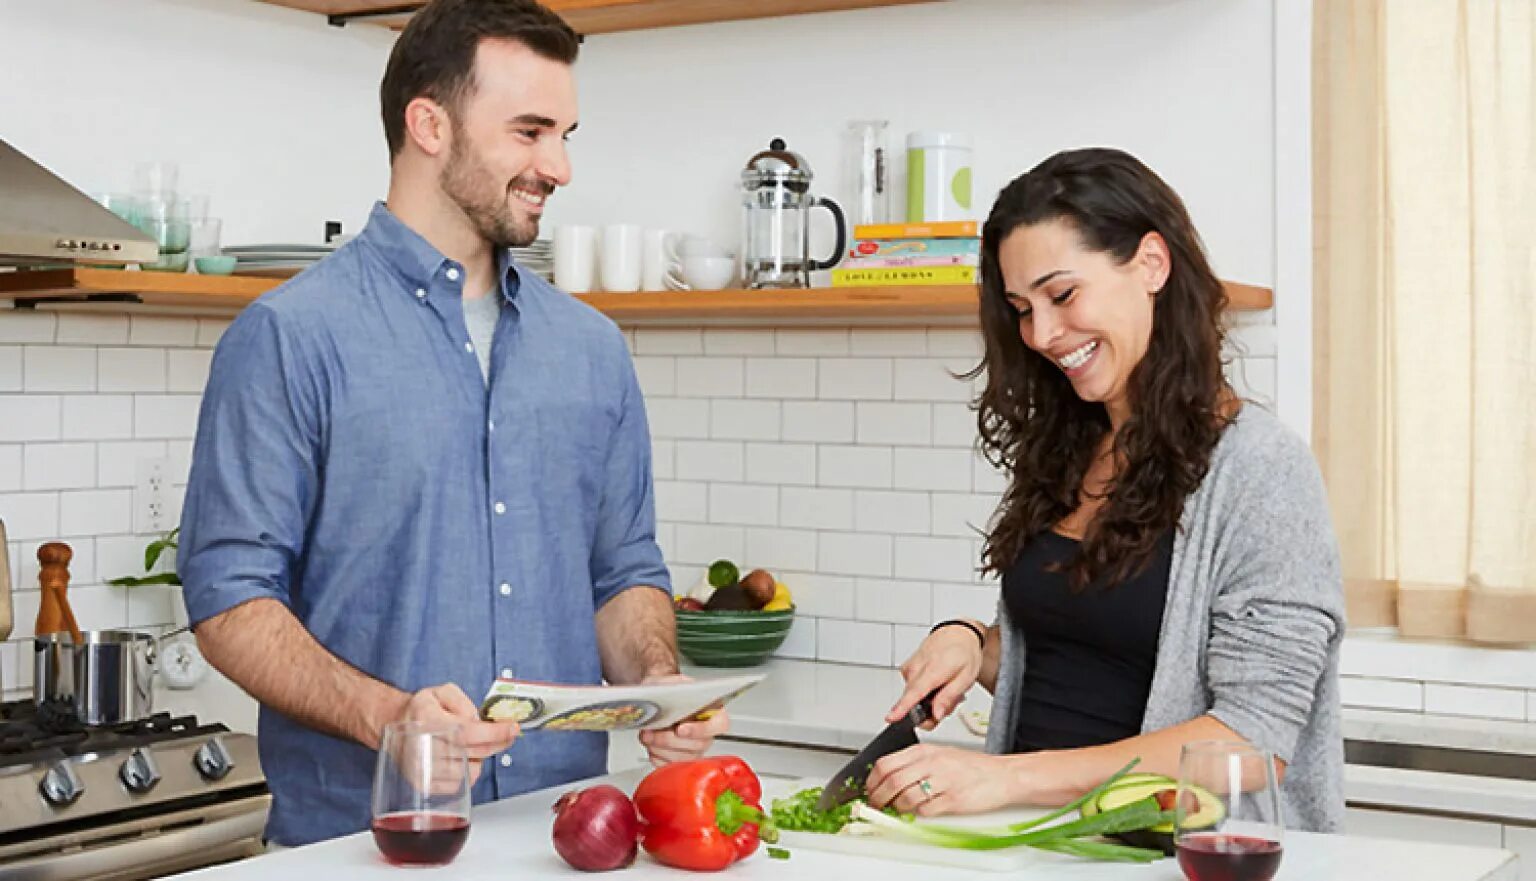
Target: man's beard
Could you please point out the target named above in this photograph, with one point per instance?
(473, 188)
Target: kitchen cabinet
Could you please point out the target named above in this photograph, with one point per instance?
(599, 16)
(86, 289)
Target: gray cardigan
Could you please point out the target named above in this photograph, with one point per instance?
(1253, 619)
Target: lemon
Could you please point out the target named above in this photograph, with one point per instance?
(781, 598)
(723, 573)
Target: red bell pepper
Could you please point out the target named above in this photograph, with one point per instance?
(702, 815)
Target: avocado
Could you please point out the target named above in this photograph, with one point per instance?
(729, 599)
(1209, 810)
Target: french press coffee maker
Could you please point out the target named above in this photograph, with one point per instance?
(776, 231)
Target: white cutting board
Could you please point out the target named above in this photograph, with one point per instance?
(1034, 862)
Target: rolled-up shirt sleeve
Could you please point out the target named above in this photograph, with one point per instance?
(1278, 610)
(625, 553)
(253, 480)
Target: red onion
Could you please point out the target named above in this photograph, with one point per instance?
(596, 829)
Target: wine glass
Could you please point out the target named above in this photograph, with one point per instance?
(1227, 822)
(421, 794)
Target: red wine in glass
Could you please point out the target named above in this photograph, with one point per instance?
(420, 839)
(1218, 857)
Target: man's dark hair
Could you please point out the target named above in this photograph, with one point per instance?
(435, 55)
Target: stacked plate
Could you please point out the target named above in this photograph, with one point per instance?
(280, 260)
(538, 258)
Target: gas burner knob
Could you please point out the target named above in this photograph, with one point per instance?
(139, 772)
(61, 787)
(213, 760)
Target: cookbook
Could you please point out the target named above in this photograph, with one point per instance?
(544, 706)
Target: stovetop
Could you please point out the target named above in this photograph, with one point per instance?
(30, 734)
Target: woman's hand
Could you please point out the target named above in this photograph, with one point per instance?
(931, 780)
(948, 660)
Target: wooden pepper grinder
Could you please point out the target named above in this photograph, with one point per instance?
(53, 613)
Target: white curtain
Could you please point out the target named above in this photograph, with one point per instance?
(1425, 202)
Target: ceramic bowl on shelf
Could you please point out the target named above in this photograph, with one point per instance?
(217, 264)
(731, 639)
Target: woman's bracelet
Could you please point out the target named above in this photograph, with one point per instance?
(956, 622)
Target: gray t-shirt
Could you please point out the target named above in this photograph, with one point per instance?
(480, 316)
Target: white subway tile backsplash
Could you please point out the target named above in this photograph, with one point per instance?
(850, 553)
(932, 469)
(812, 342)
(92, 330)
(957, 342)
(893, 423)
(954, 425)
(165, 416)
(60, 466)
(801, 641)
(781, 550)
(905, 638)
(1254, 379)
(853, 642)
(743, 504)
(820, 595)
(29, 417)
(854, 379)
(150, 605)
(159, 330)
(26, 327)
(895, 602)
(1381, 694)
(906, 513)
(189, 369)
(1530, 706)
(132, 370)
(179, 453)
(744, 420)
(828, 422)
(738, 341)
(24, 606)
(710, 377)
(98, 417)
(680, 502)
(677, 417)
(700, 545)
(931, 379)
(935, 559)
(10, 369)
(961, 515)
(10, 469)
(662, 459)
(119, 555)
(657, 375)
(989, 480)
(862, 466)
(891, 342)
(711, 460)
(30, 515)
(781, 378)
(781, 464)
(210, 330)
(1466, 700)
(965, 601)
(815, 508)
(669, 341)
(95, 512)
(99, 607)
(59, 369)
(9, 678)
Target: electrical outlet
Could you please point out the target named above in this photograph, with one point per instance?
(151, 496)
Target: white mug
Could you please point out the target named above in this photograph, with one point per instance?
(659, 260)
(620, 262)
(705, 274)
(575, 258)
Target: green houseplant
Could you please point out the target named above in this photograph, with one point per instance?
(152, 554)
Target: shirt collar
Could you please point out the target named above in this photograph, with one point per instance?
(420, 264)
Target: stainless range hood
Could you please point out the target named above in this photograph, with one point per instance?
(45, 220)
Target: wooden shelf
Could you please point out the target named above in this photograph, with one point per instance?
(109, 288)
(599, 16)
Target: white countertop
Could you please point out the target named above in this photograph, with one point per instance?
(510, 839)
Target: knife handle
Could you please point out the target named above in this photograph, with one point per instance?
(922, 711)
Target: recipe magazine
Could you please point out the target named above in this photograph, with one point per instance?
(542, 706)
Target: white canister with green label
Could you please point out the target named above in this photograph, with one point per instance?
(938, 177)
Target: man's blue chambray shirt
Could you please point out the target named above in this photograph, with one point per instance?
(427, 527)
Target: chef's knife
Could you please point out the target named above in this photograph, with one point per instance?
(848, 784)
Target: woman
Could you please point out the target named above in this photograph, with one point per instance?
(1168, 569)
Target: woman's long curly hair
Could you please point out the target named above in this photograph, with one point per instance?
(1032, 423)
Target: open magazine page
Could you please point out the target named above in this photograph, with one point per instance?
(541, 706)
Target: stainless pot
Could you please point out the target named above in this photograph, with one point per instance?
(108, 679)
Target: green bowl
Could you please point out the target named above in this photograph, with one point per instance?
(731, 639)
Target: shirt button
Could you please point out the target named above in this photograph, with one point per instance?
(491, 424)
(470, 348)
(500, 508)
(506, 760)
(453, 274)
(421, 293)
(506, 591)
(506, 672)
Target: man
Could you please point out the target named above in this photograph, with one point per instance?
(419, 466)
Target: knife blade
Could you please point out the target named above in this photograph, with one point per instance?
(848, 783)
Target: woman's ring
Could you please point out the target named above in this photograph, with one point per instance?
(926, 787)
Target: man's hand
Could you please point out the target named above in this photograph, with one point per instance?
(448, 704)
(685, 740)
